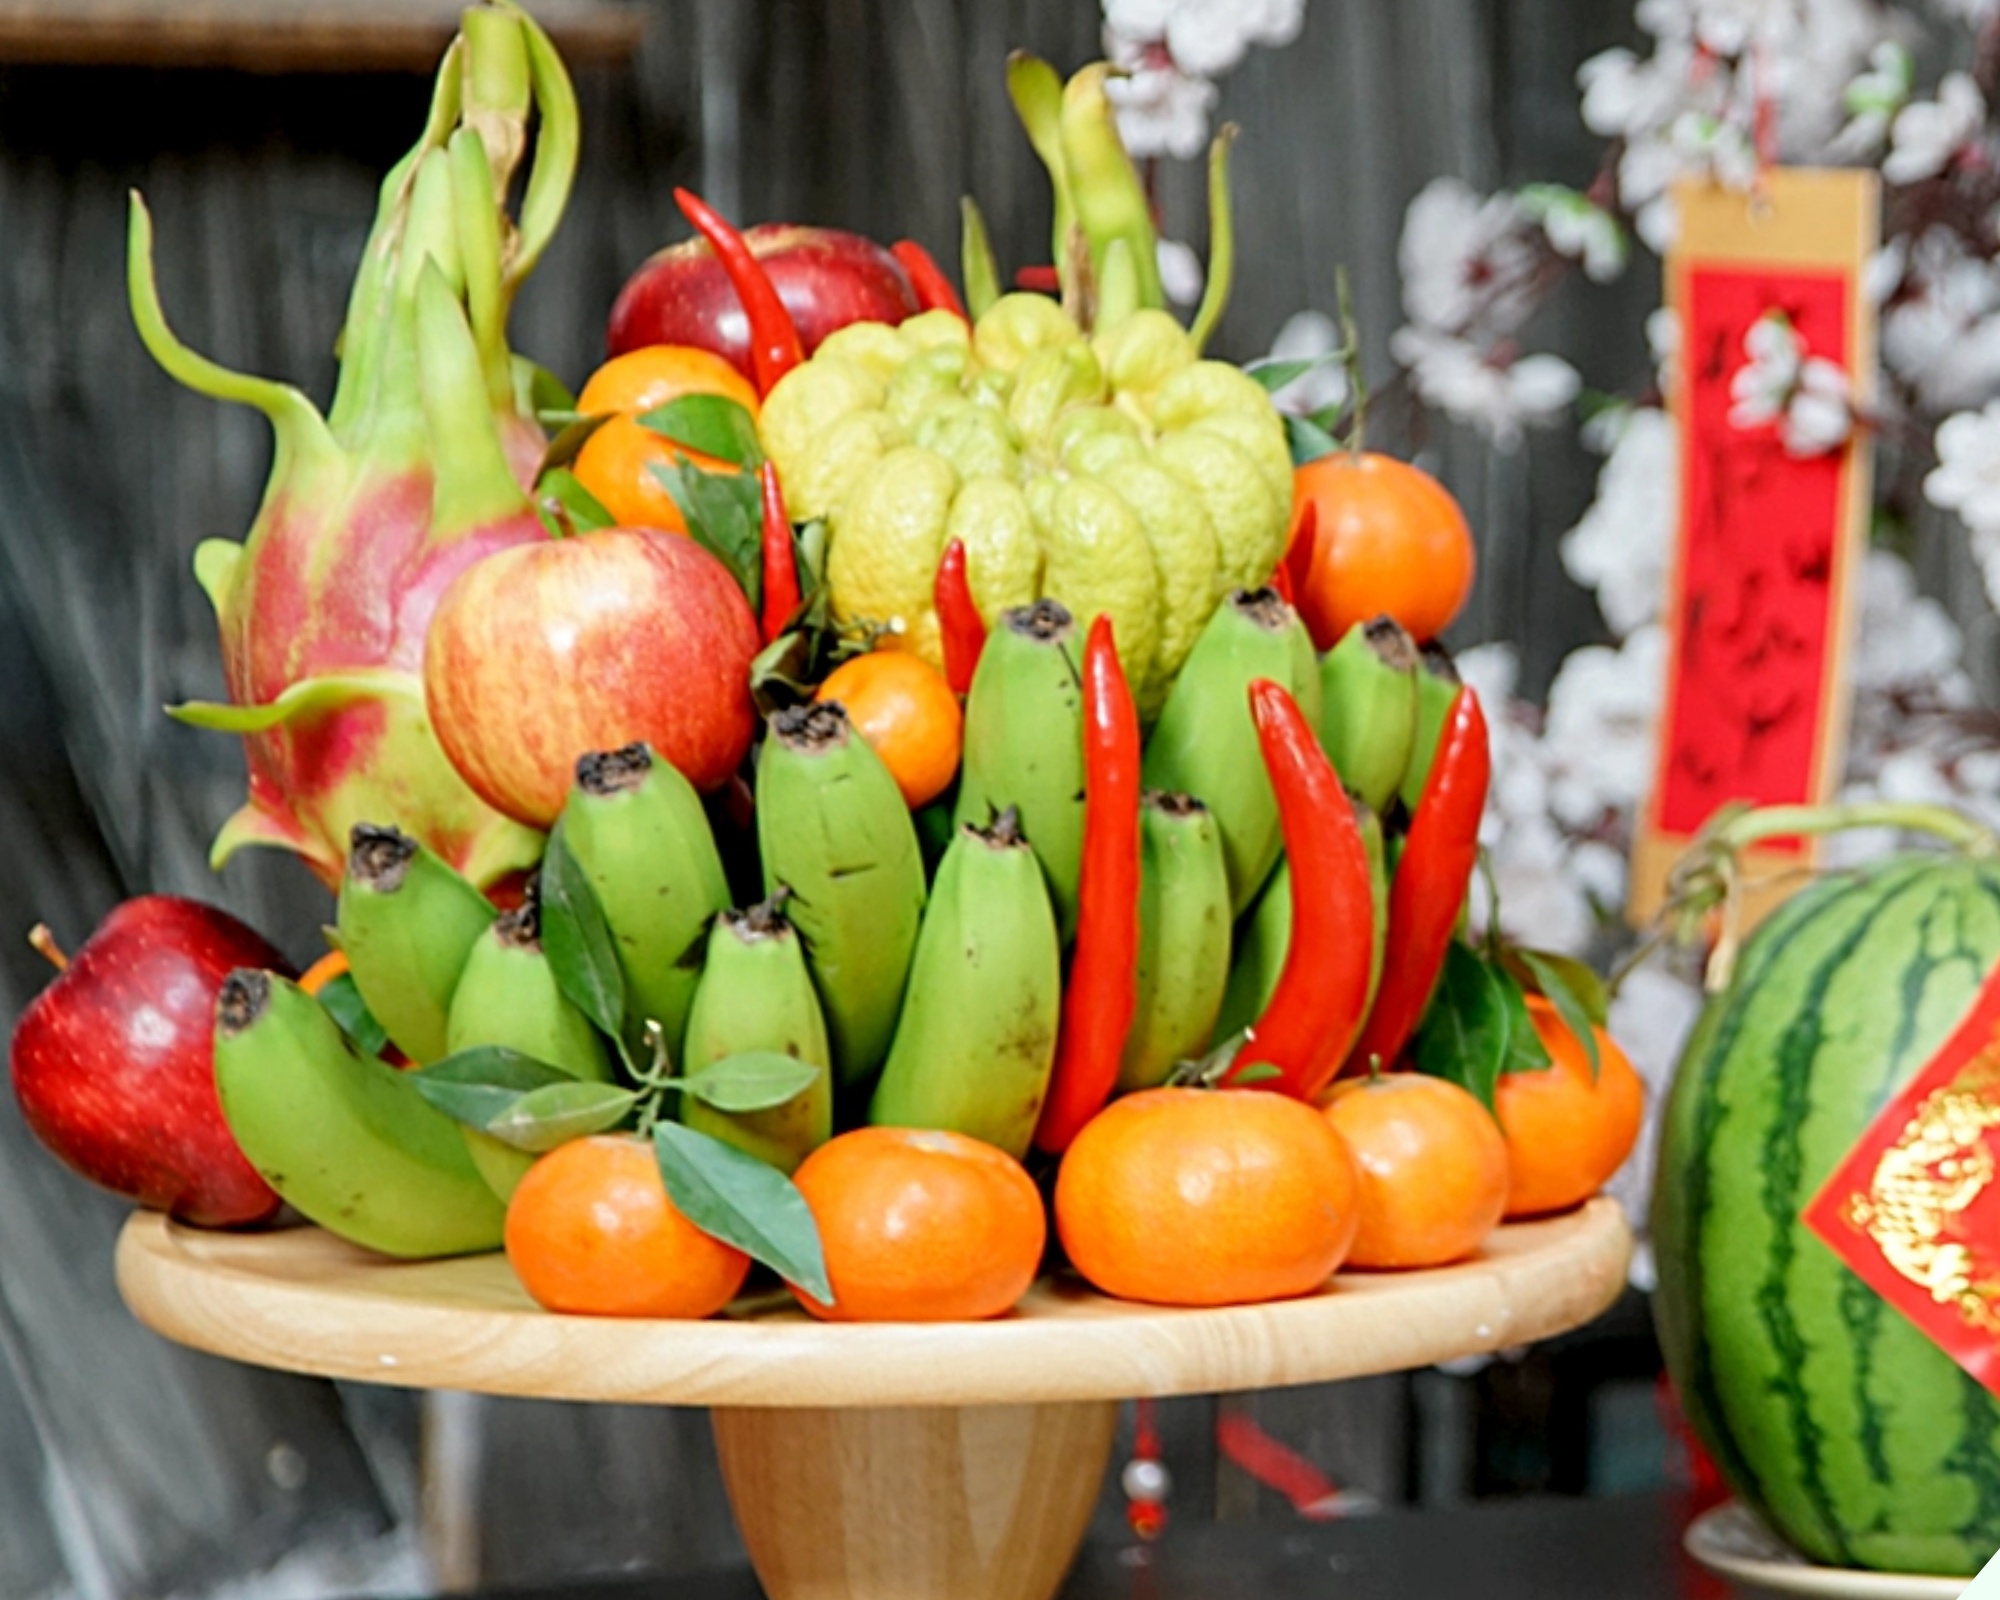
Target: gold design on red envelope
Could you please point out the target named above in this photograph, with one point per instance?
(1925, 1181)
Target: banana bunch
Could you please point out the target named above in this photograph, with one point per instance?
(920, 998)
(1116, 472)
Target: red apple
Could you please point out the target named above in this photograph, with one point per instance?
(826, 278)
(114, 1062)
(545, 652)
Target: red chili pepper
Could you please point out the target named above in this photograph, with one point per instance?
(1298, 563)
(1102, 991)
(781, 566)
(1322, 993)
(1429, 888)
(774, 338)
(1039, 280)
(959, 622)
(934, 290)
(1281, 584)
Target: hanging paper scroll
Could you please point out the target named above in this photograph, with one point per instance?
(1776, 356)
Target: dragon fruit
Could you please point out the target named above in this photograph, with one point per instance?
(422, 465)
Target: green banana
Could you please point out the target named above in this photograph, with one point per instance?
(833, 829)
(1368, 708)
(1183, 938)
(508, 996)
(406, 922)
(977, 1039)
(1264, 936)
(1024, 743)
(1375, 843)
(756, 994)
(346, 1139)
(1205, 743)
(638, 830)
(1437, 690)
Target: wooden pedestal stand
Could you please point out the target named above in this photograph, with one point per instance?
(888, 1461)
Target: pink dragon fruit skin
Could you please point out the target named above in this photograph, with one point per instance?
(422, 467)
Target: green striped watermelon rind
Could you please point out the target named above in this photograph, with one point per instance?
(1847, 1429)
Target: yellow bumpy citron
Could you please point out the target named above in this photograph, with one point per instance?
(1117, 472)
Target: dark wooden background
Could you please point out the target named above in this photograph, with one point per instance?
(129, 1468)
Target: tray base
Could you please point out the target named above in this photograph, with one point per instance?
(914, 1503)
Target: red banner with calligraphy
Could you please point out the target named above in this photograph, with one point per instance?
(1759, 613)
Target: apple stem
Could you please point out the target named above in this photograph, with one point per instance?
(45, 942)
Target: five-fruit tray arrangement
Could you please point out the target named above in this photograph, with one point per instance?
(881, 765)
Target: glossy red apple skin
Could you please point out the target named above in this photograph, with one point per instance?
(546, 652)
(114, 1062)
(826, 278)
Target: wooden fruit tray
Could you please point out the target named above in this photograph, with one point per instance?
(885, 1461)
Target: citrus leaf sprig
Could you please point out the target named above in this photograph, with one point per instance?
(533, 1106)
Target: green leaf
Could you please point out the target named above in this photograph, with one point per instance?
(567, 445)
(1256, 1072)
(343, 1002)
(741, 1201)
(1308, 440)
(480, 1085)
(755, 1080)
(711, 425)
(1274, 375)
(1465, 1032)
(1525, 1050)
(725, 516)
(566, 507)
(577, 940)
(1574, 990)
(543, 1118)
(547, 392)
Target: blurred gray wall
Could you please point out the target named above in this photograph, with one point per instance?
(130, 1468)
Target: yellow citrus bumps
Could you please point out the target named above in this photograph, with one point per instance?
(1119, 473)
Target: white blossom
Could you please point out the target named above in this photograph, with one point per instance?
(1941, 324)
(1663, 341)
(1207, 38)
(1967, 480)
(1162, 111)
(1603, 708)
(1928, 135)
(1181, 273)
(1310, 336)
(1499, 397)
(1872, 100)
(1621, 546)
(1967, 476)
(1577, 228)
(1906, 640)
(1465, 259)
(1806, 396)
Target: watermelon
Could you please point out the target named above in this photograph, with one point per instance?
(1846, 1428)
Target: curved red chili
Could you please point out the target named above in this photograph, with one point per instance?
(781, 566)
(1102, 991)
(1322, 992)
(934, 289)
(1432, 877)
(960, 625)
(775, 347)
